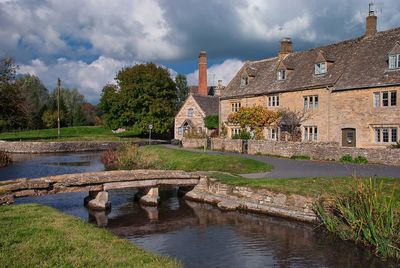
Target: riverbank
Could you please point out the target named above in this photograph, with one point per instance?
(39, 236)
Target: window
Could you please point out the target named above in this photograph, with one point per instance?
(273, 101)
(281, 75)
(385, 98)
(394, 61)
(311, 102)
(235, 131)
(310, 133)
(190, 112)
(320, 68)
(386, 135)
(244, 81)
(180, 131)
(235, 106)
(273, 134)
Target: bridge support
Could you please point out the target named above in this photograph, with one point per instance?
(148, 196)
(97, 200)
(183, 190)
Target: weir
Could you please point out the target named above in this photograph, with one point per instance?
(98, 183)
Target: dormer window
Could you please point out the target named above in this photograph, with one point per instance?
(244, 81)
(320, 68)
(394, 61)
(281, 75)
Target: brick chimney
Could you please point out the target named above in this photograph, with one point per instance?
(203, 89)
(371, 22)
(286, 47)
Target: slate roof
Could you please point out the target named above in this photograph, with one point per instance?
(356, 63)
(209, 104)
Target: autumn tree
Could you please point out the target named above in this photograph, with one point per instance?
(291, 121)
(255, 118)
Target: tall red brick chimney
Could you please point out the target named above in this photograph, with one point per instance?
(203, 89)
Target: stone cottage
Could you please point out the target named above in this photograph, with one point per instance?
(350, 90)
(201, 102)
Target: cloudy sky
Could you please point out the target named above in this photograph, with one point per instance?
(85, 42)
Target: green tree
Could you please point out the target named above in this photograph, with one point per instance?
(13, 111)
(182, 90)
(145, 94)
(211, 121)
(36, 98)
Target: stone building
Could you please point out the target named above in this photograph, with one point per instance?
(350, 90)
(201, 102)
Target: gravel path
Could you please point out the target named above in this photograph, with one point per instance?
(288, 168)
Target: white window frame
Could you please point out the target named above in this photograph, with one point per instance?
(235, 131)
(386, 135)
(394, 61)
(310, 134)
(378, 99)
(273, 101)
(281, 75)
(311, 102)
(190, 112)
(235, 106)
(320, 68)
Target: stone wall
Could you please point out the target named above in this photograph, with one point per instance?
(193, 143)
(228, 197)
(227, 145)
(60, 147)
(325, 151)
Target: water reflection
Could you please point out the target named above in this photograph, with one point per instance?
(200, 235)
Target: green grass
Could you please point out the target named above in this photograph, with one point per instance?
(37, 236)
(311, 187)
(81, 133)
(160, 157)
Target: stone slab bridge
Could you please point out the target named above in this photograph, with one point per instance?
(98, 183)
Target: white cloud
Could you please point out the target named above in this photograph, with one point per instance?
(224, 71)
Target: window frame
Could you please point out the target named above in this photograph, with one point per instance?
(235, 106)
(389, 101)
(273, 101)
(311, 102)
(190, 112)
(386, 135)
(310, 134)
(281, 75)
(394, 61)
(318, 70)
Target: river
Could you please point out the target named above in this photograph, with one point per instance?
(198, 234)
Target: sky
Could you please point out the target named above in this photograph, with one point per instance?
(86, 42)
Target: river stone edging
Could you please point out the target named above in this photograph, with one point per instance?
(63, 147)
(230, 198)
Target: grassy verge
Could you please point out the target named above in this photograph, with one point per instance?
(131, 157)
(38, 236)
(81, 133)
(312, 187)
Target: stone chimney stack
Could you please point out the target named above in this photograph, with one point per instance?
(286, 47)
(202, 89)
(371, 23)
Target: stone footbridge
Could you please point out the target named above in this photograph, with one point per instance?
(98, 183)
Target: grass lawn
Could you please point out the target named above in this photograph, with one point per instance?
(37, 236)
(312, 187)
(81, 133)
(197, 161)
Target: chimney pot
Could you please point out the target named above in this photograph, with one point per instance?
(286, 47)
(202, 88)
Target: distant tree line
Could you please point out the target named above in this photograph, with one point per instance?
(25, 103)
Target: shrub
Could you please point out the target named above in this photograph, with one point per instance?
(349, 159)
(346, 159)
(211, 121)
(176, 142)
(367, 214)
(300, 157)
(129, 157)
(243, 135)
(5, 159)
(360, 160)
(395, 146)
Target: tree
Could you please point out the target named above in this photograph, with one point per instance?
(36, 98)
(145, 94)
(291, 121)
(211, 121)
(255, 118)
(182, 90)
(13, 112)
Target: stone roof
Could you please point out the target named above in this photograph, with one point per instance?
(194, 90)
(209, 104)
(356, 63)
